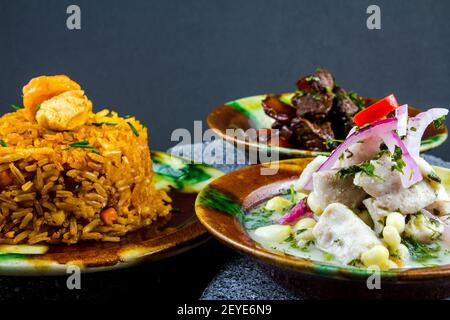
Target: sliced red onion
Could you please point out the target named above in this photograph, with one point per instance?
(377, 129)
(411, 172)
(417, 126)
(298, 211)
(401, 113)
(446, 223)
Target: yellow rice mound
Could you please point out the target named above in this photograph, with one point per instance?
(53, 192)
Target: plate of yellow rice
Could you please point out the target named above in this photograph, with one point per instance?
(82, 188)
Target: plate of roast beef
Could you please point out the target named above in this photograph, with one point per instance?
(312, 120)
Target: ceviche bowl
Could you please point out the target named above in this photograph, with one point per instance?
(219, 206)
(374, 211)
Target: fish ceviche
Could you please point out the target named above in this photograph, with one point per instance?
(373, 202)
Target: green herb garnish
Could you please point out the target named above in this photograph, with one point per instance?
(421, 252)
(3, 143)
(433, 176)
(330, 143)
(106, 123)
(133, 128)
(367, 125)
(312, 78)
(96, 152)
(38, 108)
(81, 144)
(439, 122)
(397, 158)
(292, 192)
(328, 256)
(292, 242)
(356, 99)
(16, 107)
(365, 167)
(258, 218)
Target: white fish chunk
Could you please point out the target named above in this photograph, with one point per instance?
(385, 180)
(329, 188)
(340, 232)
(441, 206)
(424, 229)
(377, 214)
(307, 173)
(407, 201)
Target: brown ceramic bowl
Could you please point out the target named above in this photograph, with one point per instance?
(219, 205)
(247, 113)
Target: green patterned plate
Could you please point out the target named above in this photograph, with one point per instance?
(160, 240)
(248, 113)
(220, 206)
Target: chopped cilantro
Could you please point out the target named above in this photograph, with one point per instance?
(439, 122)
(419, 251)
(133, 128)
(365, 167)
(330, 143)
(3, 143)
(260, 217)
(357, 100)
(292, 192)
(397, 158)
(328, 256)
(433, 176)
(106, 123)
(292, 242)
(312, 78)
(81, 144)
(16, 107)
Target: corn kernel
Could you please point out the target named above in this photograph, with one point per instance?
(300, 196)
(313, 204)
(275, 233)
(396, 220)
(278, 204)
(305, 223)
(402, 252)
(306, 235)
(392, 264)
(376, 256)
(391, 236)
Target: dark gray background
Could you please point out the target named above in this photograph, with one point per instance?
(171, 62)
